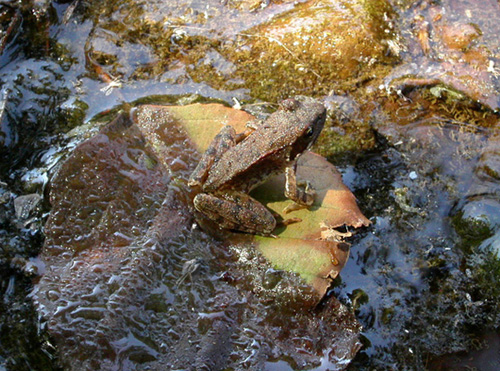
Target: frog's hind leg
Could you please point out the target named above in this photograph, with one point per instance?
(224, 140)
(236, 211)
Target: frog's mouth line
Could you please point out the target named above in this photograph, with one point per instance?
(318, 124)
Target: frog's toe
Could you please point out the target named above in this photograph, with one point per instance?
(293, 207)
(309, 194)
(302, 193)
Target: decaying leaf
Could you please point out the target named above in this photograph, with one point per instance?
(313, 247)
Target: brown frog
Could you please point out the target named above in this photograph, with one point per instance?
(235, 164)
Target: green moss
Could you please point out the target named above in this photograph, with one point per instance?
(76, 115)
(311, 51)
(378, 11)
(439, 101)
(472, 230)
(387, 314)
(175, 100)
(486, 274)
(355, 137)
(491, 172)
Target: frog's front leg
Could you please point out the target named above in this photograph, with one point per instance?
(251, 126)
(303, 197)
(237, 211)
(224, 140)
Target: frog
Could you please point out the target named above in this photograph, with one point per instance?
(234, 164)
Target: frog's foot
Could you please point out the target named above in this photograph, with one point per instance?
(288, 221)
(254, 124)
(303, 197)
(293, 207)
(296, 191)
(308, 194)
(236, 211)
(250, 127)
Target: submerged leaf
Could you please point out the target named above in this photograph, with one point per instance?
(129, 282)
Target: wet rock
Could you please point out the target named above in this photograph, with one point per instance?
(479, 216)
(349, 133)
(26, 205)
(344, 107)
(488, 167)
(10, 20)
(18, 242)
(332, 39)
(485, 358)
(5, 197)
(452, 44)
(458, 36)
(478, 219)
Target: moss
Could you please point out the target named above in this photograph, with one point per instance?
(428, 103)
(359, 298)
(486, 274)
(310, 51)
(491, 172)
(378, 11)
(75, 116)
(387, 315)
(175, 100)
(472, 230)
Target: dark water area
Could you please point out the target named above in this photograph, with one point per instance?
(412, 126)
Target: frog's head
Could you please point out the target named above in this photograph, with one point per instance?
(309, 118)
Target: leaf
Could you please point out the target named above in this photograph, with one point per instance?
(106, 193)
(121, 256)
(312, 248)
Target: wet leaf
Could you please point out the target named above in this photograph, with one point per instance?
(106, 193)
(313, 248)
(121, 257)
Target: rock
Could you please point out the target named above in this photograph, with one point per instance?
(458, 36)
(26, 205)
(320, 39)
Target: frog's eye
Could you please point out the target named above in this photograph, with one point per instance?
(309, 132)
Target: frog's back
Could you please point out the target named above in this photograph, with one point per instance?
(270, 148)
(247, 165)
